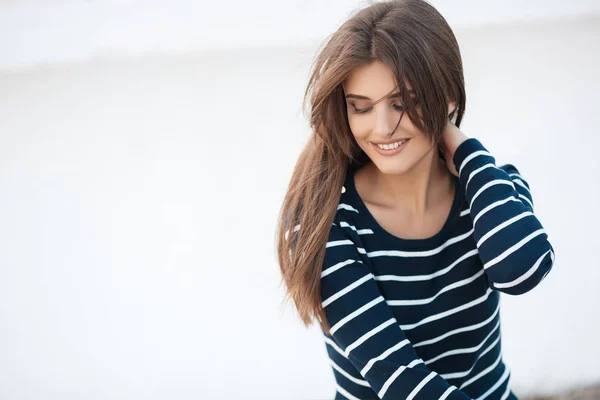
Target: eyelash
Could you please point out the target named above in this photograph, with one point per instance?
(365, 110)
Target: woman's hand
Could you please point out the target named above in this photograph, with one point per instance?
(451, 139)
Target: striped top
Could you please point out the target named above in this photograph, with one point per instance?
(419, 318)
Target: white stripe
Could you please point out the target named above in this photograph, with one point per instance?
(506, 393)
(517, 175)
(523, 277)
(396, 374)
(441, 315)
(522, 184)
(502, 226)
(482, 373)
(496, 385)
(465, 212)
(420, 386)
(426, 253)
(346, 290)
(383, 355)
(460, 330)
(490, 165)
(360, 382)
(470, 157)
(494, 205)
(467, 372)
(454, 285)
(345, 393)
(346, 207)
(356, 313)
(513, 248)
(368, 335)
(336, 243)
(447, 392)
(416, 278)
(543, 277)
(464, 350)
(344, 224)
(526, 199)
(489, 185)
(338, 266)
(334, 345)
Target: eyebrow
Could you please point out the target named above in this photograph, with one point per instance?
(361, 97)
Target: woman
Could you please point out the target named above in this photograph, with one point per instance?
(398, 232)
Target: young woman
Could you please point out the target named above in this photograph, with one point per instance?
(398, 232)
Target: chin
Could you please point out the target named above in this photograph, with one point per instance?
(391, 167)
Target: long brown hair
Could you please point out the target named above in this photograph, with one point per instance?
(417, 44)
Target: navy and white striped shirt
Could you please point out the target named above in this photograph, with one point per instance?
(419, 318)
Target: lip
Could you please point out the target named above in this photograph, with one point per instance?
(391, 141)
(388, 153)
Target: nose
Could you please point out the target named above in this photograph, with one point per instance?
(386, 120)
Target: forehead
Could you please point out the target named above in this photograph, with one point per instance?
(373, 80)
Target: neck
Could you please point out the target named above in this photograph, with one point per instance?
(416, 190)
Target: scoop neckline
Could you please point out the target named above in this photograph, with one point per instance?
(422, 243)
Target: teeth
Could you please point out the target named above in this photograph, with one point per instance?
(390, 146)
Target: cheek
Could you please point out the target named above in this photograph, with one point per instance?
(359, 126)
(360, 132)
(407, 126)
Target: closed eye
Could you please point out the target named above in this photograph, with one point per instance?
(355, 110)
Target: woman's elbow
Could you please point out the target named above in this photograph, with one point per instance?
(516, 282)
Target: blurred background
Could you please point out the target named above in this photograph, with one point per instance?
(145, 149)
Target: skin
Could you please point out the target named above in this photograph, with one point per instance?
(410, 194)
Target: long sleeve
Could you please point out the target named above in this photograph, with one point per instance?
(366, 331)
(511, 241)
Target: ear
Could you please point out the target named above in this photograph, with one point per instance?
(451, 107)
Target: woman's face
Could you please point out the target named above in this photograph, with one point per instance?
(371, 124)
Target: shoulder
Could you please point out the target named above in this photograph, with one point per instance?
(347, 208)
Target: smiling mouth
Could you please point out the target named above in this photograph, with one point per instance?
(391, 146)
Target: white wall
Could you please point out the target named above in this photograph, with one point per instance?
(40, 31)
(139, 198)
